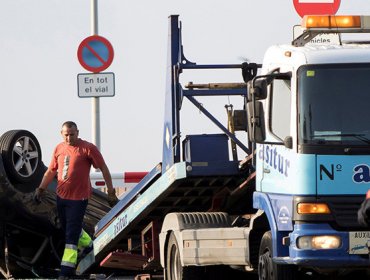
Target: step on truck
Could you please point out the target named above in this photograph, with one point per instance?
(275, 192)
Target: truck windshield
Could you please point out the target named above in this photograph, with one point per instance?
(334, 104)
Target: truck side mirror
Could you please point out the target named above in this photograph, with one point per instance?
(258, 89)
(240, 120)
(256, 122)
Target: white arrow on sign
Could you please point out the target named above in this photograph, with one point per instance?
(316, 1)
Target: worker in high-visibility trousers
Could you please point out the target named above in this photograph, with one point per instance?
(73, 253)
(71, 161)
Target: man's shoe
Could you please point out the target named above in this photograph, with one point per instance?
(61, 277)
(85, 252)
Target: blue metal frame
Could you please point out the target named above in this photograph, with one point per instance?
(176, 63)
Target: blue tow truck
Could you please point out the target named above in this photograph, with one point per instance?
(286, 207)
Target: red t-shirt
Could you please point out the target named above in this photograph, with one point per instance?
(73, 164)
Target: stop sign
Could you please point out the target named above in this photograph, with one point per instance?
(316, 7)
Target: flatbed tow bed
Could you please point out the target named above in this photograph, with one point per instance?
(177, 190)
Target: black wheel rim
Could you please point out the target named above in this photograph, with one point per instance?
(265, 270)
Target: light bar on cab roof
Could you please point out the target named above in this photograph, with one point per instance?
(337, 23)
(314, 25)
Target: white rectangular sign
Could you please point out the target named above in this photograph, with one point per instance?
(95, 85)
(316, 1)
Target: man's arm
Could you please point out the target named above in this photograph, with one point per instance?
(46, 180)
(107, 177)
(112, 198)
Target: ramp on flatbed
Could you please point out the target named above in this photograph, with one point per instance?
(176, 190)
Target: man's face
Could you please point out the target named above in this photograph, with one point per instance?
(70, 135)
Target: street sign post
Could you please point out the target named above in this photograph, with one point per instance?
(95, 53)
(316, 7)
(96, 85)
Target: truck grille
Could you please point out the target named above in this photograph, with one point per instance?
(344, 210)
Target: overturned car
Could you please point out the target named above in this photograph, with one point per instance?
(31, 239)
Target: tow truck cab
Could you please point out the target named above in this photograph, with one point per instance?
(313, 152)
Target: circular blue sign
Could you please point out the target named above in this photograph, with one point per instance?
(95, 53)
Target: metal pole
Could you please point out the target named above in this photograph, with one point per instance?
(95, 104)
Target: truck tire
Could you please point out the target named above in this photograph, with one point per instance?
(174, 269)
(21, 154)
(267, 269)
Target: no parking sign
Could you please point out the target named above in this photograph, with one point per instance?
(316, 7)
(95, 53)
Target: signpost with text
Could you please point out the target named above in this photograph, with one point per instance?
(95, 54)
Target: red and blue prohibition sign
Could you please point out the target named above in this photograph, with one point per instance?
(95, 53)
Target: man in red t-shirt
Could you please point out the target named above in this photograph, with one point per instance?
(71, 162)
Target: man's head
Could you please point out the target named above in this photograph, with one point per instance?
(69, 133)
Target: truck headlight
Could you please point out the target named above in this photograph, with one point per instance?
(319, 242)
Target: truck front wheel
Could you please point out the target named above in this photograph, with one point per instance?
(174, 269)
(267, 269)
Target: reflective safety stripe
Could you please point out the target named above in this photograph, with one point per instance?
(70, 255)
(72, 265)
(84, 241)
(65, 168)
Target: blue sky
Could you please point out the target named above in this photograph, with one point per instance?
(39, 65)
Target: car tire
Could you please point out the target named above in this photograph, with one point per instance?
(21, 154)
